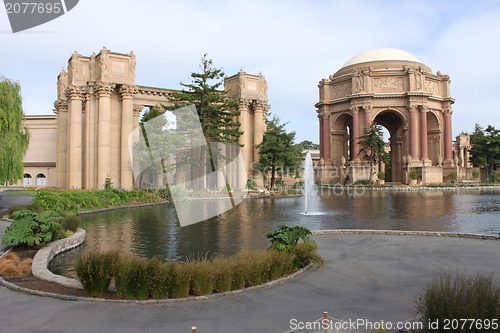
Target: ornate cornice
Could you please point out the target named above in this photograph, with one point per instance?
(155, 91)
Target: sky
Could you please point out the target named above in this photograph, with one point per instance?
(293, 43)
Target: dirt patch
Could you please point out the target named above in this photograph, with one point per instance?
(31, 282)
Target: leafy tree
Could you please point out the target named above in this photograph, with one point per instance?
(14, 137)
(217, 113)
(372, 147)
(485, 150)
(306, 144)
(278, 151)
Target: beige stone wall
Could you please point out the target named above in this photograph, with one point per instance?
(40, 158)
(98, 105)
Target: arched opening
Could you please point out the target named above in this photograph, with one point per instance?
(434, 139)
(393, 124)
(27, 180)
(342, 142)
(41, 180)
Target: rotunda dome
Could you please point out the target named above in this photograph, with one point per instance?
(386, 54)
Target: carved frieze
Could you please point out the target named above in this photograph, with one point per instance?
(387, 84)
(432, 87)
(341, 90)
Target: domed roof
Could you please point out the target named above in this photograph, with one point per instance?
(381, 55)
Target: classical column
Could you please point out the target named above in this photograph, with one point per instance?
(321, 143)
(448, 150)
(466, 157)
(137, 112)
(90, 138)
(104, 91)
(413, 131)
(127, 94)
(424, 152)
(368, 116)
(258, 127)
(61, 108)
(462, 155)
(355, 132)
(326, 137)
(75, 96)
(245, 139)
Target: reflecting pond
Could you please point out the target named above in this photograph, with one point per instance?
(155, 230)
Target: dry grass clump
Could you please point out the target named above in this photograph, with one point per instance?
(11, 265)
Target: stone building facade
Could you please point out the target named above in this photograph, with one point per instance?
(396, 90)
(99, 104)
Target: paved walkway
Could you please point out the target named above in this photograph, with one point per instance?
(369, 277)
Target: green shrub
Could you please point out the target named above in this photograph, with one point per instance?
(32, 207)
(362, 182)
(457, 296)
(413, 174)
(239, 272)
(203, 278)
(280, 263)
(306, 253)
(381, 175)
(70, 223)
(59, 200)
(251, 184)
(475, 174)
(95, 270)
(452, 177)
(132, 279)
(181, 279)
(495, 176)
(285, 237)
(108, 184)
(159, 279)
(223, 274)
(254, 268)
(31, 229)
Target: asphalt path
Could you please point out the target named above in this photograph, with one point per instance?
(365, 277)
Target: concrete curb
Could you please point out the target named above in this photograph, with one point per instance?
(406, 188)
(405, 233)
(121, 207)
(44, 256)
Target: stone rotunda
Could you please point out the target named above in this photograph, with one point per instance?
(397, 91)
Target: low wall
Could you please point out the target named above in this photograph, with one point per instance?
(405, 233)
(44, 256)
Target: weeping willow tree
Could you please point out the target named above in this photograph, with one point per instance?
(14, 137)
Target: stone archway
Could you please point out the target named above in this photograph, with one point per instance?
(434, 139)
(394, 122)
(341, 139)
